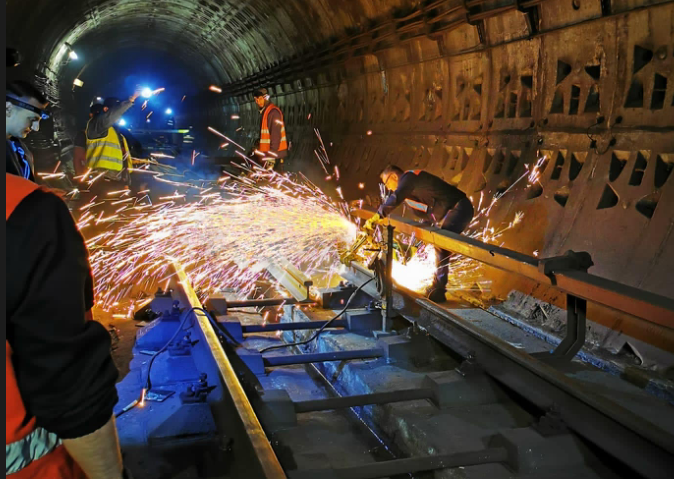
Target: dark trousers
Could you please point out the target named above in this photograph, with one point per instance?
(456, 220)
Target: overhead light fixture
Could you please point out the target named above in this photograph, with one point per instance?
(169, 111)
(72, 55)
(146, 92)
(122, 122)
(78, 82)
(215, 89)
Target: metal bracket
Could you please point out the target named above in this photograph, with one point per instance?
(576, 309)
(551, 424)
(531, 16)
(469, 367)
(196, 393)
(570, 260)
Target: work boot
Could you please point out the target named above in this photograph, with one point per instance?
(437, 295)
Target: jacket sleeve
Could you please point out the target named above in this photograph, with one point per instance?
(274, 126)
(405, 187)
(98, 125)
(62, 362)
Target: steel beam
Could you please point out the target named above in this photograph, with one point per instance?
(303, 325)
(273, 361)
(410, 465)
(636, 302)
(343, 402)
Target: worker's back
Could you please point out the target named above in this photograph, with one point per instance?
(427, 189)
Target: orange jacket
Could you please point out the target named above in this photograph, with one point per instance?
(31, 452)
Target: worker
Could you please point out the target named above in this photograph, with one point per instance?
(107, 149)
(59, 373)
(80, 143)
(25, 107)
(435, 201)
(273, 142)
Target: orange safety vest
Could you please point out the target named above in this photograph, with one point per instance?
(265, 134)
(30, 451)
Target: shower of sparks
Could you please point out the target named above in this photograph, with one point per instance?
(223, 240)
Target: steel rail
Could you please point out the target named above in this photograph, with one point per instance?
(628, 299)
(266, 463)
(642, 445)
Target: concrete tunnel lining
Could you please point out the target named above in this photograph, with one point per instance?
(472, 103)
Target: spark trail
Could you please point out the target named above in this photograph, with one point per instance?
(224, 240)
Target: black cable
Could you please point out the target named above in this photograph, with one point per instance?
(148, 382)
(299, 343)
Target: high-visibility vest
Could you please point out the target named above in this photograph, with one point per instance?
(108, 153)
(265, 134)
(30, 451)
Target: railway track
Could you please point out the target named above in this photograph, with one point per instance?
(339, 389)
(435, 396)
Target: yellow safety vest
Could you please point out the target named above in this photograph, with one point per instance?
(106, 153)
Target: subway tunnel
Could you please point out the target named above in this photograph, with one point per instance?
(473, 91)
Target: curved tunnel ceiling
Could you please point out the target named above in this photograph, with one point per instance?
(225, 41)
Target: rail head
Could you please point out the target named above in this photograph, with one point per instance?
(617, 296)
(268, 462)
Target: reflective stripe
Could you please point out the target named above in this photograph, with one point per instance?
(417, 205)
(34, 446)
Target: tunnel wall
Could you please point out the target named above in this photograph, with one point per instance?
(590, 91)
(471, 90)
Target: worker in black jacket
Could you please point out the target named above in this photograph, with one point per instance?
(60, 373)
(433, 200)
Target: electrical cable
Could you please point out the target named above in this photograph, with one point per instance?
(148, 382)
(317, 333)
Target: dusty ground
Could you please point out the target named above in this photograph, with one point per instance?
(123, 339)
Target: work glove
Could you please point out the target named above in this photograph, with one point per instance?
(370, 224)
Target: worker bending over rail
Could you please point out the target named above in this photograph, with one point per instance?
(59, 374)
(437, 203)
(273, 143)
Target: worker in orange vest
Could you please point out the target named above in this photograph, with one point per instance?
(273, 145)
(60, 376)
